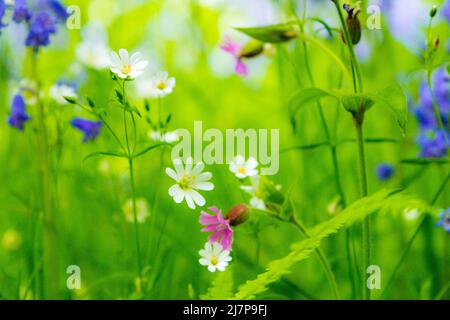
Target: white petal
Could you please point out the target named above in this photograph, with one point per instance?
(135, 57)
(190, 201)
(203, 261)
(179, 196)
(173, 190)
(171, 173)
(212, 268)
(208, 247)
(251, 173)
(123, 53)
(206, 186)
(115, 60)
(198, 168)
(239, 160)
(188, 164)
(197, 197)
(178, 166)
(140, 65)
(251, 164)
(205, 176)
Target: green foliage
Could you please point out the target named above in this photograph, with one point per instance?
(221, 288)
(384, 200)
(272, 34)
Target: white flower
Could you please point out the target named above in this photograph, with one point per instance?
(158, 86)
(168, 137)
(411, 214)
(214, 257)
(125, 66)
(142, 212)
(242, 168)
(93, 54)
(60, 90)
(254, 190)
(188, 180)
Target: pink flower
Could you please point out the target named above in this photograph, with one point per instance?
(219, 226)
(234, 49)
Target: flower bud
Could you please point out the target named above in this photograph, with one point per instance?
(353, 24)
(252, 49)
(433, 11)
(436, 43)
(238, 214)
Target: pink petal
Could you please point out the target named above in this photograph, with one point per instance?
(215, 210)
(240, 68)
(207, 219)
(230, 46)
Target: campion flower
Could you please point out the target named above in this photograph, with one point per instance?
(432, 144)
(168, 137)
(188, 180)
(18, 113)
(444, 221)
(158, 86)
(254, 190)
(62, 89)
(218, 226)
(242, 168)
(142, 212)
(234, 49)
(384, 171)
(214, 257)
(91, 129)
(125, 66)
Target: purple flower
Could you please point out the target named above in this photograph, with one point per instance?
(234, 49)
(2, 14)
(384, 171)
(59, 10)
(444, 221)
(91, 129)
(432, 144)
(446, 11)
(41, 27)
(18, 113)
(21, 12)
(219, 226)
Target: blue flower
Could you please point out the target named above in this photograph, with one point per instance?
(91, 129)
(384, 171)
(18, 114)
(446, 11)
(59, 10)
(41, 27)
(2, 14)
(432, 144)
(444, 221)
(21, 12)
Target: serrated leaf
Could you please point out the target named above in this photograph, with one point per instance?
(384, 200)
(221, 288)
(277, 33)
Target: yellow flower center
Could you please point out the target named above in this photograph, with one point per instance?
(241, 170)
(186, 182)
(214, 260)
(161, 85)
(126, 68)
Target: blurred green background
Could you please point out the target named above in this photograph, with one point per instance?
(183, 38)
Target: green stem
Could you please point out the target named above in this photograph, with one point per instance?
(51, 274)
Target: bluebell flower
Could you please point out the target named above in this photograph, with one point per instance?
(432, 144)
(21, 12)
(2, 14)
(444, 221)
(41, 27)
(18, 113)
(91, 129)
(384, 171)
(446, 11)
(59, 10)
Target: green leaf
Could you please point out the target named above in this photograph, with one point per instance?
(424, 161)
(150, 148)
(386, 201)
(116, 154)
(221, 287)
(70, 100)
(277, 33)
(323, 23)
(119, 95)
(90, 102)
(306, 147)
(394, 99)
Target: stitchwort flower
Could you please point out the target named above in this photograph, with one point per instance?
(242, 168)
(142, 212)
(218, 226)
(189, 179)
(384, 171)
(214, 257)
(91, 129)
(62, 89)
(158, 86)
(126, 66)
(18, 113)
(255, 191)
